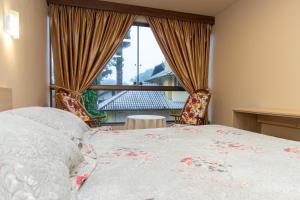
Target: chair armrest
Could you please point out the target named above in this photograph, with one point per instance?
(175, 115)
(98, 117)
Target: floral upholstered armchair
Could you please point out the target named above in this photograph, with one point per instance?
(66, 101)
(195, 109)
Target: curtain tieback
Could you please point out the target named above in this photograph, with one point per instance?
(76, 94)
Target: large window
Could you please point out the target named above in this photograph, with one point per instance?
(137, 80)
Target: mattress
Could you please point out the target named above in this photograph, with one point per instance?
(191, 163)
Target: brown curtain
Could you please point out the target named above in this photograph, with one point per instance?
(83, 41)
(186, 48)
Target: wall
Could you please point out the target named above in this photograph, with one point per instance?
(23, 62)
(256, 58)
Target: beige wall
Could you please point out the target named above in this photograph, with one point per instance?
(257, 57)
(23, 62)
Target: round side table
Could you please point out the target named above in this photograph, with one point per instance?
(145, 122)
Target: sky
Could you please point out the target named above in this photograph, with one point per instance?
(150, 54)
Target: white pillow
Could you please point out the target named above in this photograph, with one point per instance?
(68, 123)
(35, 160)
(33, 180)
(26, 139)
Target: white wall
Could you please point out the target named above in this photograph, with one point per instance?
(257, 57)
(23, 62)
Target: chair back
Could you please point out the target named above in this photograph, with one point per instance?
(65, 101)
(195, 109)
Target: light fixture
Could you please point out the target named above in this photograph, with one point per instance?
(11, 24)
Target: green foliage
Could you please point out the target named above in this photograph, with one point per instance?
(90, 102)
(90, 96)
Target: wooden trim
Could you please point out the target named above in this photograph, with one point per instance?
(270, 112)
(136, 88)
(141, 24)
(137, 10)
(133, 88)
(5, 99)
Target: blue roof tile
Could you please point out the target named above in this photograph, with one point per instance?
(139, 100)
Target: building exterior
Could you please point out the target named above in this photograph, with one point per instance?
(119, 105)
(127, 103)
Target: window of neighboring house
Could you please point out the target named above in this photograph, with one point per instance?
(138, 62)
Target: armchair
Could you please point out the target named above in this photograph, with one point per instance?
(195, 109)
(65, 101)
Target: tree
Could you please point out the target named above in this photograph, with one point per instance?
(117, 60)
(90, 97)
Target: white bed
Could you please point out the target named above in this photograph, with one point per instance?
(189, 163)
(38, 152)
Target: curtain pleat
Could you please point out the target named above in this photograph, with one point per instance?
(186, 48)
(83, 41)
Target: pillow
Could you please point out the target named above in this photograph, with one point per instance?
(33, 180)
(35, 160)
(68, 123)
(27, 140)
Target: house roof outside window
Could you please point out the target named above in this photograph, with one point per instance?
(139, 100)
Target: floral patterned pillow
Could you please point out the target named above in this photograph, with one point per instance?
(195, 108)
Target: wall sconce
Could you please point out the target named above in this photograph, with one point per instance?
(11, 24)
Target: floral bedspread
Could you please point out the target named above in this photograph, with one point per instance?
(193, 163)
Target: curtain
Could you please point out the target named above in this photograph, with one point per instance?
(83, 41)
(186, 48)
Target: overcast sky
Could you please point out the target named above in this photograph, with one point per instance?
(150, 54)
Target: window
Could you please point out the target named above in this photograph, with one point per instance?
(136, 61)
(118, 105)
(137, 80)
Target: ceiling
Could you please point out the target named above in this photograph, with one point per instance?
(203, 7)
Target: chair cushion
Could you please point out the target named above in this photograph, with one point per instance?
(72, 105)
(195, 108)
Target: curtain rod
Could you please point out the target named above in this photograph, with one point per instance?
(137, 10)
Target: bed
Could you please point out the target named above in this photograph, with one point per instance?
(204, 162)
(180, 163)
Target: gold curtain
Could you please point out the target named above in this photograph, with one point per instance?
(83, 41)
(186, 48)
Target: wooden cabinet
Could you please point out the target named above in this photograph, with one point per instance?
(278, 123)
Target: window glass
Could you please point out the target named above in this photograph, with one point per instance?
(118, 105)
(138, 61)
(121, 69)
